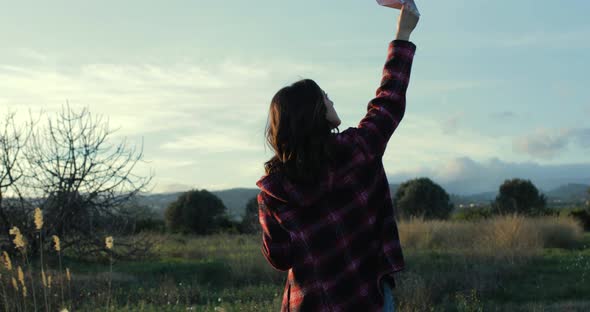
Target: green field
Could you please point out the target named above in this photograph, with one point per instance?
(228, 272)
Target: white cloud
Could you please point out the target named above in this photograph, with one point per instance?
(170, 163)
(32, 54)
(211, 142)
(548, 143)
(419, 139)
(148, 97)
(172, 188)
(542, 144)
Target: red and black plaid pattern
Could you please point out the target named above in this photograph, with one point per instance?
(338, 240)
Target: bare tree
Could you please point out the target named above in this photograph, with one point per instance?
(83, 181)
(12, 202)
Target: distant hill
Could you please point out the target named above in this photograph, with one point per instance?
(235, 199)
(480, 198)
(158, 202)
(569, 192)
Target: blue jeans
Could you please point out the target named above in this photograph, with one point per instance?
(387, 293)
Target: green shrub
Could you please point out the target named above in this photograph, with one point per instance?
(150, 225)
(582, 216)
(473, 214)
(520, 196)
(422, 197)
(199, 212)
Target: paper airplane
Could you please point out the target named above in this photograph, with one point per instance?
(398, 4)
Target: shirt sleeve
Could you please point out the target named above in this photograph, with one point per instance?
(276, 241)
(386, 110)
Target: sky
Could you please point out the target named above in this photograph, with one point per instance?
(498, 89)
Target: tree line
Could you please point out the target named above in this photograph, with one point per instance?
(201, 212)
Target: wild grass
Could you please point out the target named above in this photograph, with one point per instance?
(50, 281)
(459, 265)
(451, 266)
(504, 238)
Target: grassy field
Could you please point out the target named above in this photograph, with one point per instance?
(512, 263)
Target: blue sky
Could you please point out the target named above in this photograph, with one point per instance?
(498, 89)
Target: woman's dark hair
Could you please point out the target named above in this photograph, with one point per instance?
(298, 132)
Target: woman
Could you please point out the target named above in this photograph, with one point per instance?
(324, 206)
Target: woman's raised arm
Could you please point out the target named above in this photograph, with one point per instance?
(386, 110)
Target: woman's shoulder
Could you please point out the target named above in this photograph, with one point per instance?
(350, 144)
(346, 136)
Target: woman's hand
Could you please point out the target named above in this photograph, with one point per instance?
(406, 23)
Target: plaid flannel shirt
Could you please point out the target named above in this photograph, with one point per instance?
(339, 240)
